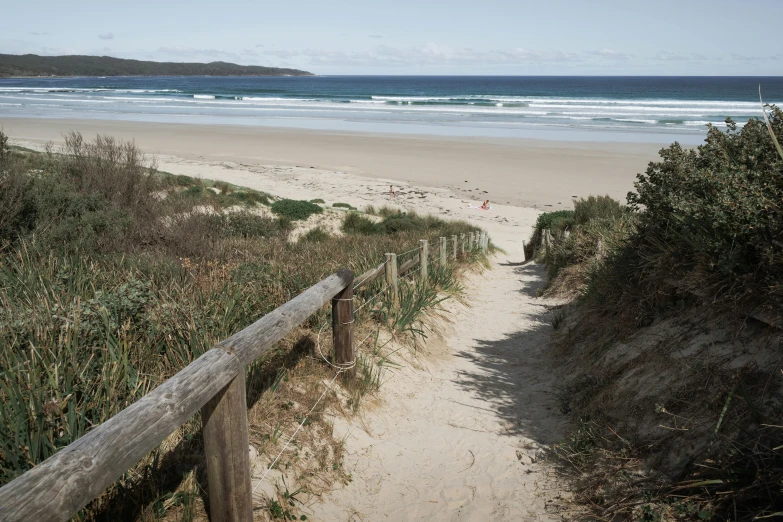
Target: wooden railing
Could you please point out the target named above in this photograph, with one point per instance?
(57, 488)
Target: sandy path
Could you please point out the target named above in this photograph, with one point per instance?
(461, 438)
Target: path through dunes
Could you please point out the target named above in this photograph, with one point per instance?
(461, 438)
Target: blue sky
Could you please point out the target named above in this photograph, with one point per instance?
(630, 37)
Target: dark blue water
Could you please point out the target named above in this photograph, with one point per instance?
(493, 106)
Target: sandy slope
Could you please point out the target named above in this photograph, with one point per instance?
(461, 438)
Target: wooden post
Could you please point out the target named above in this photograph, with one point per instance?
(524, 255)
(454, 239)
(462, 244)
(391, 278)
(227, 450)
(342, 331)
(547, 238)
(424, 248)
(470, 242)
(442, 251)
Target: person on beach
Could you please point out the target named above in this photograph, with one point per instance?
(484, 206)
(391, 192)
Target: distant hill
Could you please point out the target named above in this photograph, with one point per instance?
(76, 65)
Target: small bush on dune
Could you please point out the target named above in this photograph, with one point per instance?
(386, 211)
(245, 224)
(355, 223)
(318, 200)
(547, 219)
(369, 209)
(343, 205)
(315, 235)
(246, 197)
(597, 207)
(295, 210)
(223, 187)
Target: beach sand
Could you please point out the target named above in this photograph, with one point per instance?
(541, 174)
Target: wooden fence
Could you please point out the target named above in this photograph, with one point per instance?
(57, 488)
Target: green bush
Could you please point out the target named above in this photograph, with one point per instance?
(184, 181)
(315, 235)
(402, 223)
(344, 205)
(295, 210)
(318, 200)
(710, 218)
(223, 187)
(246, 197)
(245, 224)
(547, 219)
(355, 223)
(597, 207)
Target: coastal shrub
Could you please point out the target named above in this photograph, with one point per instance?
(245, 197)
(184, 181)
(245, 224)
(386, 211)
(709, 219)
(343, 205)
(402, 222)
(317, 200)
(597, 208)
(355, 223)
(295, 210)
(547, 219)
(315, 235)
(223, 187)
(369, 209)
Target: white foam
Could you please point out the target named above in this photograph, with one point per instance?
(204, 96)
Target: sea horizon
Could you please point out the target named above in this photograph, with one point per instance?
(556, 107)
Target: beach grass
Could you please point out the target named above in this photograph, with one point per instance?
(114, 276)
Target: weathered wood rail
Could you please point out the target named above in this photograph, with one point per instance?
(57, 488)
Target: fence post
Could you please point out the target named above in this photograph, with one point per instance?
(342, 331)
(391, 278)
(470, 242)
(454, 239)
(547, 240)
(226, 447)
(423, 252)
(462, 244)
(442, 251)
(524, 254)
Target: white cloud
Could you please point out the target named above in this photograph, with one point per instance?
(196, 52)
(425, 55)
(679, 57)
(611, 54)
(106, 36)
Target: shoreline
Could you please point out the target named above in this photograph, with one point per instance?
(541, 174)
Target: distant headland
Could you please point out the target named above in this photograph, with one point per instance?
(12, 65)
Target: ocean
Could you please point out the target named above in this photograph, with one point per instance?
(547, 107)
